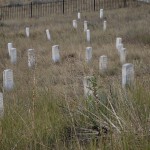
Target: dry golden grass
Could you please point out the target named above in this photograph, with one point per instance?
(61, 83)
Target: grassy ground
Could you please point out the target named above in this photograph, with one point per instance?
(47, 108)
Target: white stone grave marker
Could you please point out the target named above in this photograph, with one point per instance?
(85, 26)
(120, 46)
(10, 45)
(127, 75)
(48, 34)
(118, 41)
(55, 53)
(1, 105)
(87, 83)
(123, 55)
(27, 31)
(103, 61)
(31, 58)
(101, 13)
(13, 55)
(88, 36)
(74, 22)
(79, 15)
(8, 82)
(104, 25)
(88, 54)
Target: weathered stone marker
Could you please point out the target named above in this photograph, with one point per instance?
(127, 75)
(9, 45)
(101, 13)
(13, 55)
(74, 22)
(88, 36)
(1, 105)
(31, 58)
(118, 42)
(55, 54)
(103, 61)
(87, 83)
(79, 15)
(8, 82)
(85, 26)
(48, 34)
(120, 47)
(27, 31)
(104, 25)
(88, 54)
(123, 55)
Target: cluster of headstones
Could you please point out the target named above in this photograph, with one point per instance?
(75, 25)
(127, 68)
(88, 51)
(8, 81)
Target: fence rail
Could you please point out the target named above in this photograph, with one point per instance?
(39, 9)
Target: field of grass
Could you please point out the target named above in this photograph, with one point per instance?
(47, 108)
